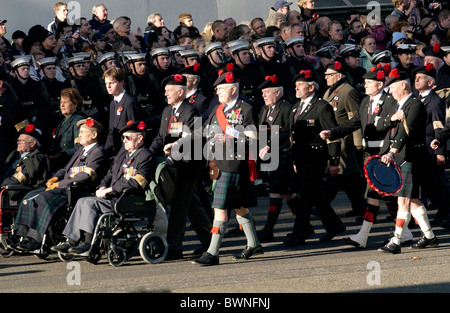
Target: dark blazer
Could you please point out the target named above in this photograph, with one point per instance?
(386, 105)
(280, 117)
(306, 144)
(235, 162)
(94, 161)
(141, 168)
(409, 141)
(66, 134)
(435, 107)
(186, 115)
(119, 115)
(200, 101)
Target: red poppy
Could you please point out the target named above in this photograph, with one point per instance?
(376, 110)
(308, 74)
(380, 75)
(129, 123)
(229, 78)
(120, 109)
(373, 69)
(394, 73)
(429, 67)
(141, 126)
(436, 47)
(196, 67)
(29, 128)
(337, 65)
(220, 73)
(230, 67)
(89, 122)
(272, 78)
(387, 68)
(178, 78)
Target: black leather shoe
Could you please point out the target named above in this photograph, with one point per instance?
(264, 236)
(425, 242)
(83, 247)
(353, 243)
(173, 255)
(293, 241)
(391, 247)
(248, 252)
(61, 247)
(30, 245)
(207, 259)
(331, 235)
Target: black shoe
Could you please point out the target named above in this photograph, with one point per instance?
(425, 242)
(173, 255)
(61, 247)
(331, 235)
(199, 251)
(353, 243)
(83, 247)
(264, 236)
(207, 259)
(30, 245)
(13, 242)
(391, 247)
(293, 241)
(248, 252)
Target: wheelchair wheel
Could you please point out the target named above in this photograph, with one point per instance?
(65, 257)
(5, 252)
(117, 258)
(153, 248)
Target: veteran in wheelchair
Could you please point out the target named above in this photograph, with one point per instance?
(26, 168)
(90, 222)
(47, 208)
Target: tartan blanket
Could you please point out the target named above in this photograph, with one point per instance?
(37, 209)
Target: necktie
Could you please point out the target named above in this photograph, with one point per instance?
(299, 111)
(80, 157)
(269, 113)
(369, 110)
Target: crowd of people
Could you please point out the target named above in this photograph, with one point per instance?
(93, 101)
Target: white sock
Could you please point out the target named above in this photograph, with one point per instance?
(421, 217)
(363, 234)
(402, 221)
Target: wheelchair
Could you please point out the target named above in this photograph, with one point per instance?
(129, 228)
(10, 198)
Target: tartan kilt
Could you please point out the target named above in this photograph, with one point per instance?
(410, 187)
(36, 213)
(233, 190)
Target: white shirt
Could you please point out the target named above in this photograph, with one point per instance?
(191, 93)
(231, 104)
(306, 102)
(119, 97)
(89, 147)
(402, 102)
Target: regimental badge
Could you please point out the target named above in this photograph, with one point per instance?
(310, 122)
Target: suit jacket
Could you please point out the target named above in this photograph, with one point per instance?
(119, 115)
(409, 141)
(235, 161)
(435, 107)
(385, 105)
(92, 167)
(306, 144)
(279, 117)
(66, 134)
(200, 101)
(134, 174)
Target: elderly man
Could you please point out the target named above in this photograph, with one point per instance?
(435, 55)
(174, 135)
(231, 125)
(377, 104)
(276, 113)
(133, 169)
(310, 156)
(99, 16)
(407, 134)
(39, 206)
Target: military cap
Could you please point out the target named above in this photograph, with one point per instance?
(3, 21)
(434, 51)
(265, 41)
(226, 77)
(304, 76)
(395, 76)
(234, 42)
(106, 57)
(134, 127)
(270, 82)
(427, 70)
(134, 57)
(213, 46)
(176, 48)
(239, 47)
(176, 80)
(337, 66)
(294, 40)
(326, 52)
(376, 73)
(21, 61)
(446, 50)
(405, 48)
(85, 55)
(382, 57)
(30, 130)
(47, 61)
(188, 53)
(350, 50)
(159, 51)
(91, 124)
(75, 60)
(191, 70)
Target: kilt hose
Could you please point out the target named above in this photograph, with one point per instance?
(37, 210)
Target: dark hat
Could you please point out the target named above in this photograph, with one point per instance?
(382, 57)
(270, 82)
(434, 51)
(326, 52)
(304, 76)
(395, 76)
(280, 4)
(376, 73)
(427, 70)
(3, 21)
(18, 34)
(91, 124)
(192, 70)
(105, 28)
(226, 77)
(177, 80)
(135, 57)
(28, 129)
(386, 180)
(350, 50)
(405, 48)
(337, 66)
(134, 127)
(98, 36)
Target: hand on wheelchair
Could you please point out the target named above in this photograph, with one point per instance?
(103, 192)
(50, 182)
